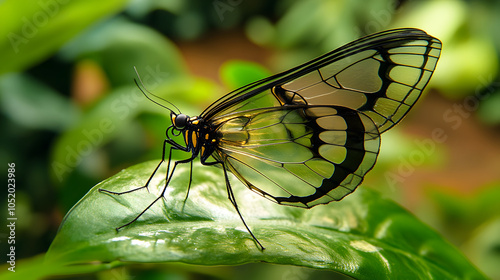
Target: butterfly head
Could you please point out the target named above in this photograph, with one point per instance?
(180, 121)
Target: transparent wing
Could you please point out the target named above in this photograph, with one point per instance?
(298, 155)
(381, 75)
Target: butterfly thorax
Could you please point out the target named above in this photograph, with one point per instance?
(199, 136)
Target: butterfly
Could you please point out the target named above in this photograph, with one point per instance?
(306, 136)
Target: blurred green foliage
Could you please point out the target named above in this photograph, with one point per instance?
(64, 140)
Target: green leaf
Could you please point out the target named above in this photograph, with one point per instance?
(36, 268)
(156, 58)
(488, 110)
(35, 105)
(33, 30)
(237, 73)
(484, 247)
(364, 236)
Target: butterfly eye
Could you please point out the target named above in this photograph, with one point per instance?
(180, 121)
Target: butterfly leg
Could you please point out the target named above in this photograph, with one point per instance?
(168, 178)
(150, 177)
(231, 198)
(189, 186)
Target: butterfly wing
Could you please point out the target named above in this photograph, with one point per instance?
(308, 136)
(381, 75)
(298, 155)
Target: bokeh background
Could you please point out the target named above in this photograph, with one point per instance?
(72, 116)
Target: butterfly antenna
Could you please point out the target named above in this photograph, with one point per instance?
(152, 94)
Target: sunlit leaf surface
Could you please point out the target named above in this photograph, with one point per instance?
(363, 236)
